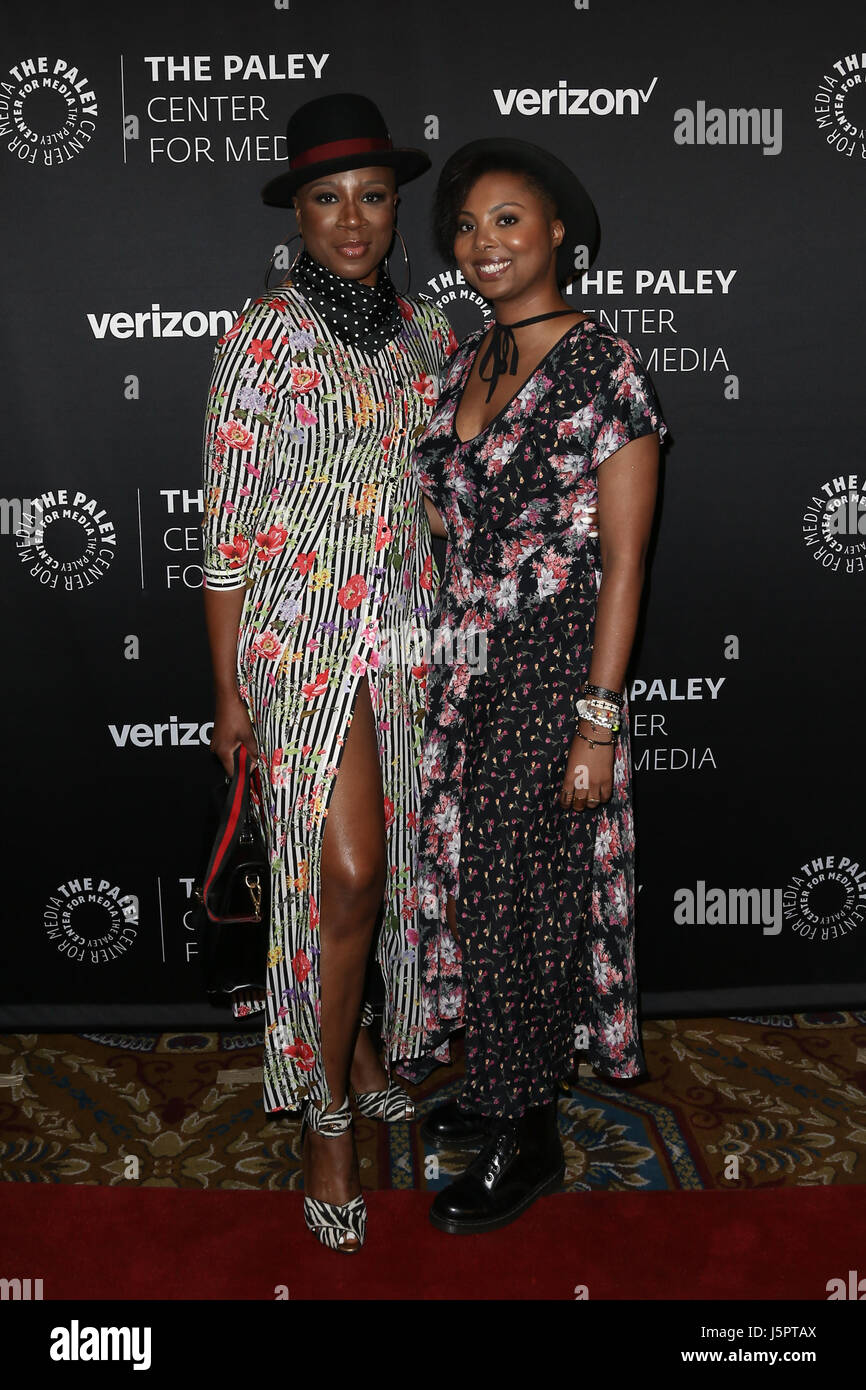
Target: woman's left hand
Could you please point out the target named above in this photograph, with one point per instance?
(592, 768)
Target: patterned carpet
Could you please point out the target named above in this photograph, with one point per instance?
(753, 1102)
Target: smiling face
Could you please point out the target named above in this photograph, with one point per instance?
(347, 220)
(506, 237)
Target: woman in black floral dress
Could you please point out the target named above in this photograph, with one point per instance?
(526, 840)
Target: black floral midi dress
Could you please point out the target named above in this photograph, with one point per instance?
(543, 975)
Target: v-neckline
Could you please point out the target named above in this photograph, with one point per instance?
(464, 443)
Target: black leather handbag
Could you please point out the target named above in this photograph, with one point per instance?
(232, 917)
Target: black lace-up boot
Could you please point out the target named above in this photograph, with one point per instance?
(521, 1160)
(449, 1127)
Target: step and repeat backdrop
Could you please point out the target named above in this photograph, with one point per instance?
(727, 157)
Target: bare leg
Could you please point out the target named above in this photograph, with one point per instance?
(353, 882)
(451, 917)
(367, 1072)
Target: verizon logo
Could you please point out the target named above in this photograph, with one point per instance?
(157, 322)
(173, 734)
(563, 100)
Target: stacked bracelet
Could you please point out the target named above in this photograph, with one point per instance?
(596, 742)
(601, 708)
(602, 693)
(604, 707)
(603, 719)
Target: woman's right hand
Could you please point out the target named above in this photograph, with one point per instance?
(232, 727)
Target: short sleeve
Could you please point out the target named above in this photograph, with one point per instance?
(626, 406)
(242, 428)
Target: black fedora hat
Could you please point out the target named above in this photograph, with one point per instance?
(330, 134)
(573, 204)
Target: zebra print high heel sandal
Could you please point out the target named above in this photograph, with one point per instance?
(392, 1104)
(331, 1223)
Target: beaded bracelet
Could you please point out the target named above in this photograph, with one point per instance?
(610, 724)
(604, 720)
(603, 706)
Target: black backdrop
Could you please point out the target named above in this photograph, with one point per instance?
(132, 155)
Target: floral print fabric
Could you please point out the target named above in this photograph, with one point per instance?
(543, 975)
(312, 508)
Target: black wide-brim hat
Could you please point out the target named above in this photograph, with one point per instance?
(330, 134)
(573, 204)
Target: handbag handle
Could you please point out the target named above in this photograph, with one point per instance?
(255, 779)
(236, 813)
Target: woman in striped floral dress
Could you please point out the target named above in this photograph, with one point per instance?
(318, 579)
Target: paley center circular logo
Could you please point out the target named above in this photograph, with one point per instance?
(66, 539)
(840, 105)
(48, 110)
(826, 898)
(834, 524)
(462, 305)
(90, 921)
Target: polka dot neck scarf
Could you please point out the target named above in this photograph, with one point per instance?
(366, 316)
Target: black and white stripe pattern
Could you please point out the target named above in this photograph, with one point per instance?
(390, 1105)
(306, 471)
(331, 1222)
(331, 1123)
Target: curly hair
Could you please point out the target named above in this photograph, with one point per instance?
(457, 179)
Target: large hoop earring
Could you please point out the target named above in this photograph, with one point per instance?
(287, 244)
(399, 235)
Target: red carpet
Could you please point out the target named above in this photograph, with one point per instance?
(88, 1242)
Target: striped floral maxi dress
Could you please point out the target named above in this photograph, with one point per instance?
(311, 506)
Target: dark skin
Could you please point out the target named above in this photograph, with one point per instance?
(347, 222)
(505, 245)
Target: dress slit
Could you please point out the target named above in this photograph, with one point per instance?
(324, 1099)
(312, 504)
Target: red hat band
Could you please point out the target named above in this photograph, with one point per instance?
(338, 149)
